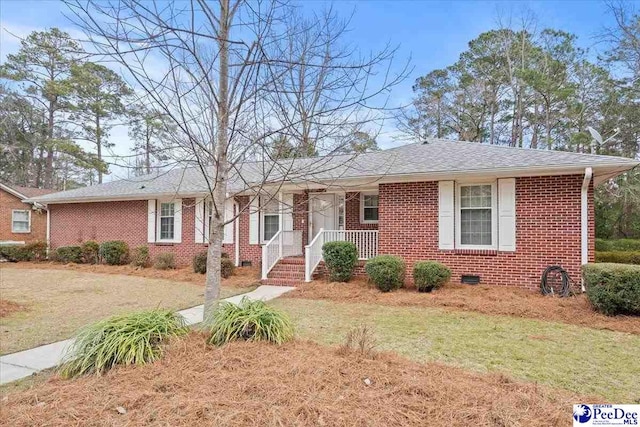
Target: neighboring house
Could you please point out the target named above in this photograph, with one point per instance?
(493, 213)
(22, 222)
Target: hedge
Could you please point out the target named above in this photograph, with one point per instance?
(430, 275)
(115, 252)
(340, 259)
(36, 251)
(613, 288)
(227, 267)
(67, 254)
(386, 272)
(625, 245)
(619, 257)
(91, 252)
(165, 261)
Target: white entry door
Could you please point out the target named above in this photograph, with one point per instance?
(323, 213)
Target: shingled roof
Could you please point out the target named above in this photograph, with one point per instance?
(433, 159)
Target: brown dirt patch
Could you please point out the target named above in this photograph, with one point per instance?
(9, 307)
(243, 276)
(300, 383)
(493, 300)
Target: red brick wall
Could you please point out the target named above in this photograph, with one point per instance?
(9, 202)
(547, 231)
(74, 223)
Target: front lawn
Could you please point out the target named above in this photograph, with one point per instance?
(296, 384)
(580, 359)
(54, 304)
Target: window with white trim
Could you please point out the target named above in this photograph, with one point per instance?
(270, 219)
(20, 221)
(368, 208)
(476, 219)
(166, 223)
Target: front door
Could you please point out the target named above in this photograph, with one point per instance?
(323, 213)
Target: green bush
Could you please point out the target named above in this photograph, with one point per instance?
(226, 265)
(200, 263)
(340, 259)
(140, 257)
(35, 251)
(115, 252)
(249, 321)
(67, 254)
(430, 275)
(165, 261)
(386, 272)
(122, 340)
(619, 257)
(613, 288)
(90, 252)
(626, 245)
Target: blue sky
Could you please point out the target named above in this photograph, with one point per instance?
(431, 33)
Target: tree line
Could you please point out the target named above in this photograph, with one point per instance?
(539, 89)
(51, 99)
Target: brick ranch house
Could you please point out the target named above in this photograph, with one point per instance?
(493, 213)
(21, 222)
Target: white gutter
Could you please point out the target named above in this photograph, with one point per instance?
(48, 231)
(236, 224)
(584, 219)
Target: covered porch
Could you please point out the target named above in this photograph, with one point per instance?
(308, 220)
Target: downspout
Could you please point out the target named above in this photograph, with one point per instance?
(236, 226)
(584, 219)
(48, 230)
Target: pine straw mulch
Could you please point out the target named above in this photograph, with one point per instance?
(242, 277)
(9, 307)
(491, 300)
(299, 383)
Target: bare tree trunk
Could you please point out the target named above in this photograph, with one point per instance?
(99, 147)
(212, 286)
(147, 150)
(48, 175)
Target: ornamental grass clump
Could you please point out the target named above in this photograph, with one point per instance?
(249, 321)
(130, 339)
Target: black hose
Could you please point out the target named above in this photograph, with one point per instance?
(547, 289)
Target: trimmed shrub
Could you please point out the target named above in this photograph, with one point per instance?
(200, 263)
(430, 275)
(130, 339)
(619, 257)
(36, 251)
(67, 254)
(165, 261)
(386, 272)
(249, 321)
(340, 259)
(226, 267)
(115, 252)
(613, 288)
(140, 257)
(626, 245)
(90, 252)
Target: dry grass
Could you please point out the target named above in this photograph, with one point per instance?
(9, 307)
(60, 301)
(492, 300)
(299, 383)
(243, 276)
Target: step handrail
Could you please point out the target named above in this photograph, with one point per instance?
(313, 255)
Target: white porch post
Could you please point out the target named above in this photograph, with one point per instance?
(264, 262)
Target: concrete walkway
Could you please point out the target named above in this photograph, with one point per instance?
(24, 363)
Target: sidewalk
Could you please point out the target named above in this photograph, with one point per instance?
(27, 362)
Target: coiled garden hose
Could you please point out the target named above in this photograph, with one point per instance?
(547, 289)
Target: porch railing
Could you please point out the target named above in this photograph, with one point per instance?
(282, 244)
(365, 240)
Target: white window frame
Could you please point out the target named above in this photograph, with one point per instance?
(159, 222)
(494, 216)
(208, 211)
(28, 230)
(263, 203)
(362, 207)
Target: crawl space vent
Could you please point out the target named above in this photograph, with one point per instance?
(470, 279)
(245, 264)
